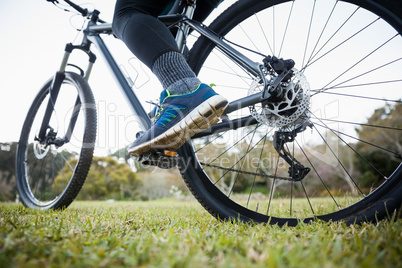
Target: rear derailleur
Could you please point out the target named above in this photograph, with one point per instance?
(296, 170)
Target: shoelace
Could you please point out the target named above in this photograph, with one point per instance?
(168, 115)
(154, 111)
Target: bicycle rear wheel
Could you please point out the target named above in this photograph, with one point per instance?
(348, 136)
(51, 172)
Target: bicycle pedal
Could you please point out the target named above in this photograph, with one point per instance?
(160, 158)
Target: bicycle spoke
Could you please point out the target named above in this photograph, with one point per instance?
(355, 64)
(263, 32)
(357, 153)
(36, 184)
(358, 76)
(321, 34)
(360, 97)
(292, 183)
(309, 32)
(308, 199)
(209, 142)
(329, 39)
(286, 29)
(271, 194)
(230, 74)
(339, 45)
(339, 161)
(273, 29)
(257, 168)
(318, 175)
(249, 38)
(231, 168)
(291, 199)
(232, 146)
(358, 124)
(242, 163)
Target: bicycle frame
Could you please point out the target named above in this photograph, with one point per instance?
(92, 35)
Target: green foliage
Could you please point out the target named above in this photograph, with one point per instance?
(8, 185)
(107, 179)
(168, 233)
(385, 160)
(371, 178)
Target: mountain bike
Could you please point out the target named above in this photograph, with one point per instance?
(312, 130)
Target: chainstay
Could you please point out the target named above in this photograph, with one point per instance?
(247, 172)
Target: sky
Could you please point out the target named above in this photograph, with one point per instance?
(33, 34)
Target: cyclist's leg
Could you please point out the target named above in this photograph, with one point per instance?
(135, 23)
(151, 41)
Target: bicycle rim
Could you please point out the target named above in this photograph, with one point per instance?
(351, 60)
(50, 175)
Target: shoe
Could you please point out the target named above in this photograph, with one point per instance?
(179, 118)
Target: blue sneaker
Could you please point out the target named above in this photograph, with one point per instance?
(179, 118)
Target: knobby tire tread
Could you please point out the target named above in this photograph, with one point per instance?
(86, 154)
(85, 158)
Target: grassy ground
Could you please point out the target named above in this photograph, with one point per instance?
(170, 233)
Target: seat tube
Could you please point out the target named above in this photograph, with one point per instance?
(184, 28)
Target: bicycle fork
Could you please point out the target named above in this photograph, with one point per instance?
(47, 134)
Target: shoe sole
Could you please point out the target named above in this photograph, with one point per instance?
(203, 117)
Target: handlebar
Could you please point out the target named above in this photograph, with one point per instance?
(83, 11)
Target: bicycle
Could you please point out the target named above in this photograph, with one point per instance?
(255, 164)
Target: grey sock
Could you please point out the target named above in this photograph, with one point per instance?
(174, 74)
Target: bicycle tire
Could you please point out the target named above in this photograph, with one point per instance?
(376, 205)
(50, 177)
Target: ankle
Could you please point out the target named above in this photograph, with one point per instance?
(184, 86)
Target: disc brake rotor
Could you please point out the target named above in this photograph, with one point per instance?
(40, 150)
(290, 110)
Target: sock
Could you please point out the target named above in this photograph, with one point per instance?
(174, 74)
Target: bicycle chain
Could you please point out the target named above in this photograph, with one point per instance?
(248, 172)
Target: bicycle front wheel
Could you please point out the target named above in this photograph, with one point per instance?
(50, 172)
(330, 146)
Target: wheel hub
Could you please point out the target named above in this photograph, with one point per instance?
(290, 109)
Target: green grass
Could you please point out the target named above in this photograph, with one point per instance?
(170, 233)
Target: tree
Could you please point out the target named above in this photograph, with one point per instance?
(8, 185)
(381, 144)
(106, 179)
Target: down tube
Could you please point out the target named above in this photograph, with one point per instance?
(131, 98)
